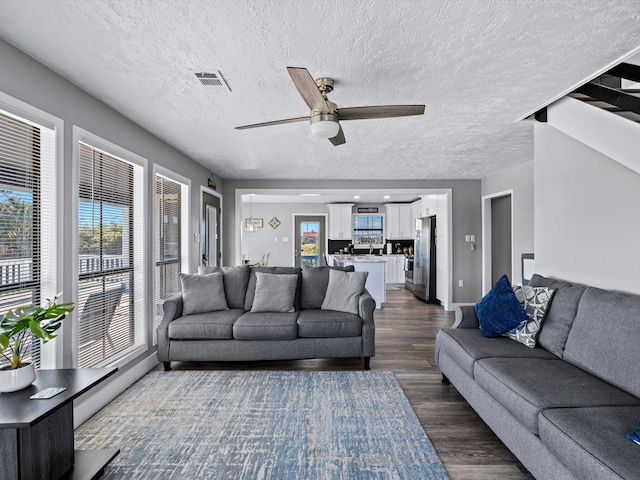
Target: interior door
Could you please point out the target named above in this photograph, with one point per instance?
(501, 238)
(210, 230)
(310, 240)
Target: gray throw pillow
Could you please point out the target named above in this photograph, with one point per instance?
(202, 293)
(274, 292)
(344, 290)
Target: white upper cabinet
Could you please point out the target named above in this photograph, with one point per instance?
(400, 220)
(340, 225)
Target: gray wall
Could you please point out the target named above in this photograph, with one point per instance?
(465, 216)
(31, 82)
(520, 180)
(586, 216)
(264, 241)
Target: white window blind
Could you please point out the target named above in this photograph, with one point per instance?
(168, 234)
(26, 149)
(109, 278)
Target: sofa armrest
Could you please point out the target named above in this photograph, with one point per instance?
(367, 306)
(466, 317)
(172, 308)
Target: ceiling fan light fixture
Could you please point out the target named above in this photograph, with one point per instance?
(324, 125)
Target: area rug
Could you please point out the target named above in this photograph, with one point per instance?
(263, 425)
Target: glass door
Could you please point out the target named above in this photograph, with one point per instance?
(310, 240)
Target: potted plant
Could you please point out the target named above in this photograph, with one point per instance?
(16, 326)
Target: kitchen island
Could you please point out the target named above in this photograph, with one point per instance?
(366, 263)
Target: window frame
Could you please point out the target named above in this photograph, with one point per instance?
(185, 218)
(141, 262)
(52, 189)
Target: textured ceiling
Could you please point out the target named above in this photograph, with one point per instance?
(478, 66)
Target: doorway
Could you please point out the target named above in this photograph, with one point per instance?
(309, 240)
(497, 238)
(210, 231)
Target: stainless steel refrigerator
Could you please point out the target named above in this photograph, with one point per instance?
(424, 263)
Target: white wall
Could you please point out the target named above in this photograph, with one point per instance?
(587, 213)
(519, 180)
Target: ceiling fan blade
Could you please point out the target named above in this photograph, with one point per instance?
(308, 89)
(275, 122)
(338, 139)
(384, 111)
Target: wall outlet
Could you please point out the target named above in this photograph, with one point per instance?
(461, 283)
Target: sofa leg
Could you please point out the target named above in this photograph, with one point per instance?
(365, 363)
(167, 366)
(445, 380)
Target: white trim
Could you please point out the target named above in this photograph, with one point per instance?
(599, 72)
(95, 399)
(486, 238)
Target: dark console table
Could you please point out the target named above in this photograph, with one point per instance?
(36, 436)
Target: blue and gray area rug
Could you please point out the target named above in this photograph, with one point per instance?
(263, 425)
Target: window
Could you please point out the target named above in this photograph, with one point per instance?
(111, 297)
(27, 155)
(169, 246)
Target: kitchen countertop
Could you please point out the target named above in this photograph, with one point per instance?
(358, 258)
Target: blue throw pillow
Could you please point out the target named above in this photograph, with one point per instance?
(499, 310)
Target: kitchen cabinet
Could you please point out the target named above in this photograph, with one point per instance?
(340, 225)
(400, 222)
(394, 273)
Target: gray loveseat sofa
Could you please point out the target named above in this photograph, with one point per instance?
(238, 329)
(564, 407)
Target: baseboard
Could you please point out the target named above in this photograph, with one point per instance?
(85, 406)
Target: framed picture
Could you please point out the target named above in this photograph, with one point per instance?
(252, 223)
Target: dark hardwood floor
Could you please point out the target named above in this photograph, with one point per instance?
(405, 339)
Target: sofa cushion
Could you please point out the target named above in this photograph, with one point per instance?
(466, 345)
(314, 285)
(274, 293)
(592, 441)
(499, 310)
(328, 323)
(236, 280)
(202, 293)
(205, 326)
(526, 386)
(535, 301)
(560, 314)
(605, 338)
(266, 326)
(251, 287)
(344, 290)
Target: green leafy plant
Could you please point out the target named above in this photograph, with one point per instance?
(16, 326)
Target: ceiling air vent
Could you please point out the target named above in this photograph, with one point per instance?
(213, 80)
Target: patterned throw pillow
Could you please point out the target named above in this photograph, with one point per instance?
(535, 301)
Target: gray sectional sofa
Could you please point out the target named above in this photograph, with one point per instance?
(268, 313)
(564, 407)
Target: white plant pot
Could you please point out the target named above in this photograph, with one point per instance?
(12, 380)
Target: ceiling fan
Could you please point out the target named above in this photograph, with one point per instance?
(325, 115)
